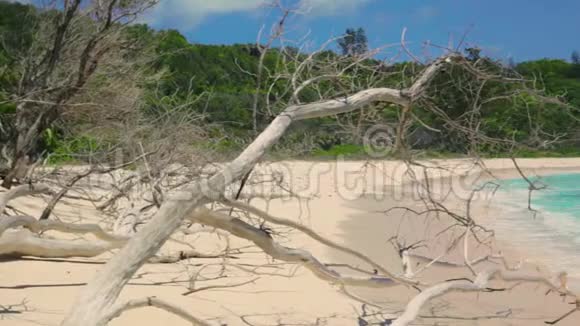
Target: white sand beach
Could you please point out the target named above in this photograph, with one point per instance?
(344, 201)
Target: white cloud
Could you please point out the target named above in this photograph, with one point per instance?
(330, 7)
(425, 13)
(189, 13)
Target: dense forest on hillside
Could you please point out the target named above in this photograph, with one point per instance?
(222, 90)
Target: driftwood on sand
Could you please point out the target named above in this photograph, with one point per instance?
(96, 304)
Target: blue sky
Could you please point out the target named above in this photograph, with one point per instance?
(522, 29)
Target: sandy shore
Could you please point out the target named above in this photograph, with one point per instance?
(346, 203)
(526, 304)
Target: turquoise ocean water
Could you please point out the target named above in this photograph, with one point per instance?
(561, 193)
(553, 232)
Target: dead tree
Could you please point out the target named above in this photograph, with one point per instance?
(97, 304)
(73, 42)
(166, 208)
(100, 295)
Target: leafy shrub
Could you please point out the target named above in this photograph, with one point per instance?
(72, 150)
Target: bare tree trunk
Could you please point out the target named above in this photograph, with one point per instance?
(20, 164)
(60, 62)
(27, 134)
(401, 141)
(99, 296)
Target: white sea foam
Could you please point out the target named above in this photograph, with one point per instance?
(552, 234)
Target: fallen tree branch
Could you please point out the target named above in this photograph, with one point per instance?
(479, 284)
(29, 222)
(227, 286)
(314, 235)
(184, 255)
(263, 240)
(20, 191)
(102, 292)
(564, 316)
(92, 170)
(25, 243)
(117, 310)
(498, 315)
(532, 186)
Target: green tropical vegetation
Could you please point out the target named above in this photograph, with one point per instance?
(217, 86)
